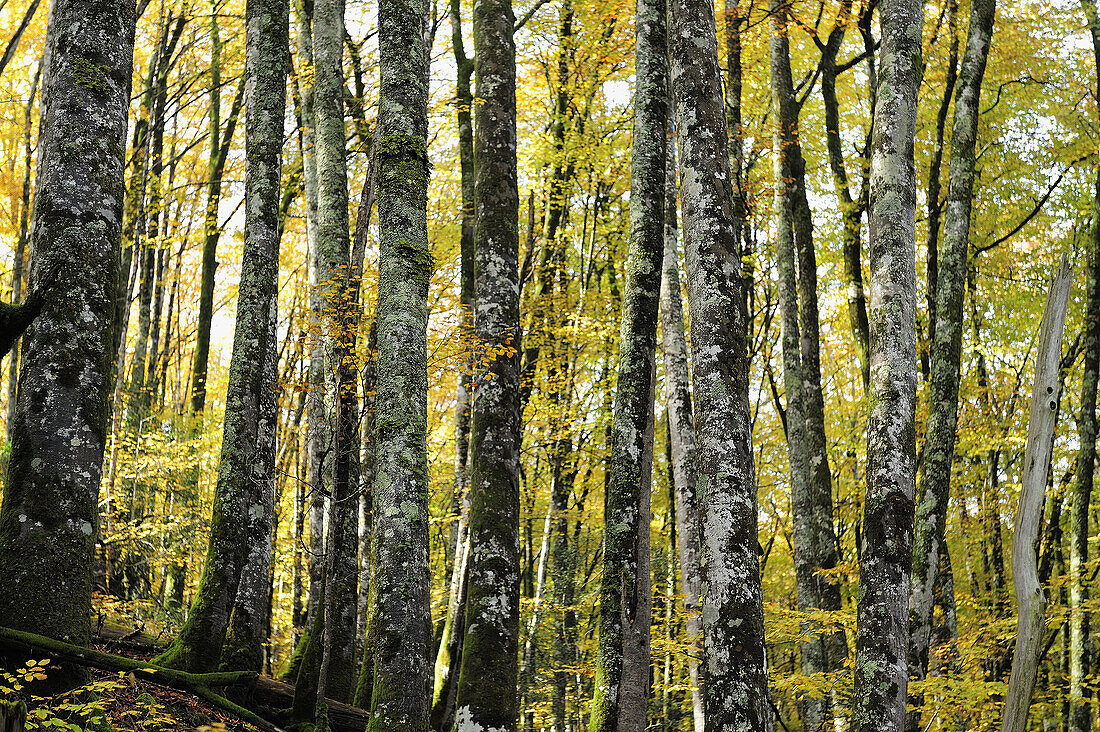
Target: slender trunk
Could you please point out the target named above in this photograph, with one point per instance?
(677, 396)
(1030, 597)
(734, 668)
(246, 477)
(487, 681)
(49, 520)
(464, 102)
(881, 673)
(1079, 632)
(946, 354)
(402, 668)
(622, 658)
(790, 180)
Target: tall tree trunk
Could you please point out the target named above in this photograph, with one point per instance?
(734, 666)
(622, 658)
(246, 479)
(677, 395)
(487, 680)
(339, 326)
(1079, 632)
(881, 673)
(790, 195)
(48, 522)
(402, 668)
(464, 102)
(450, 646)
(1030, 597)
(946, 353)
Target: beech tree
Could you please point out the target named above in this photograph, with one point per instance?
(49, 518)
(881, 668)
(242, 520)
(490, 649)
(734, 675)
(402, 660)
(622, 670)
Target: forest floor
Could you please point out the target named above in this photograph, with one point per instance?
(119, 701)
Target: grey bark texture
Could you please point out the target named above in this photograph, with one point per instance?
(1080, 705)
(339, 326)
(49, 520)
(805, 446)
(881, 669)
(677, 396)
(490, 654)
(946, 349)
(734, 664)
(621, 690)
(403, 646)
(1031, 599)
(246, 470)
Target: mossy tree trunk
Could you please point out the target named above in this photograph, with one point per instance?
(946, 349)
(403, 645)
(488, 676)
(677, 396)
(246, 479)
(882, 632)
(811, 480)
(449, 655)
(734, 673)
(339, 327)
(622, 657)
(49, 521)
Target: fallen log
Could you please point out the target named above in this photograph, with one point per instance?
(202, 685)
(274, 694)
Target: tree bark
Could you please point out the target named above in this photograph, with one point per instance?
(487, 680)
(1030, 596)
(49, 517)
(881, 673)
(622, 657)
(402, 669)
(946, 352)
(1080, 704)
(734, 673)
(246, 479)
(677, 396)
(805, 447)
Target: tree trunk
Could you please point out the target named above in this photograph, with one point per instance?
(246, 479)
(402, 668)
(734, 673)
(881, 673)
(946, 352)
(1030, 596)
(1079, 632)
(487, 680)
(790, 196)
(677, 395)
(49, 519)
(622, 658)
